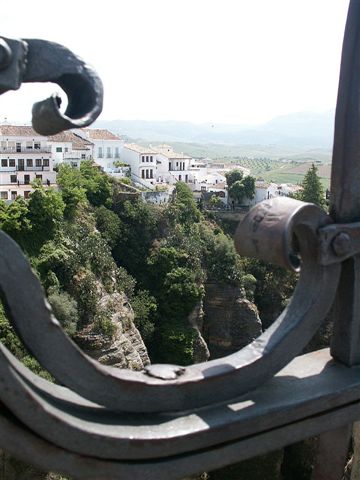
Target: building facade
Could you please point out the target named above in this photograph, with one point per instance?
(25, 156)
(107, 147)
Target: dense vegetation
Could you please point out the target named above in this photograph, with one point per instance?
(90, 238)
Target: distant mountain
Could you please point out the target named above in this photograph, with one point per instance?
(302, 130)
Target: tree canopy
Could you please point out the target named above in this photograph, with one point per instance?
(240, 187)
(312, 189)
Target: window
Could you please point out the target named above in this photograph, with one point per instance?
(142, 173)
(66, 149)
(143, 158)
(108, 152)
(26, 193)
(46, 162)
(117, 152)
(100, 152)
(58, 149)
(18, 146)
(26, 179)
(13, 195)
(151, 158)
(13, 178)
(151, 174)
(12, 162)
(29, 145)
(37, 145)
(147, 158)
(4, 195)
(29, 162)
(38, 162)
(4, 162)
(39, 176)
(83, 156)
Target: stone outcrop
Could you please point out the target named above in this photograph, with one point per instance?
(196, 319)
(125, 348)
(231, 321)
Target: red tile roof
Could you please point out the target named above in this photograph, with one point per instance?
(78, 143)
(18, 131)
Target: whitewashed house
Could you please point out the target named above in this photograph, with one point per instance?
(172, 167)
(107, 147)
(24, 156)
(69, 148)
(142, 162)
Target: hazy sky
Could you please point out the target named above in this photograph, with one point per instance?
(228, 61)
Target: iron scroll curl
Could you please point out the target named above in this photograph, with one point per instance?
(33, 60)
(169, 388)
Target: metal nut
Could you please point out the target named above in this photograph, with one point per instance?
(5, 54)
(341, 244)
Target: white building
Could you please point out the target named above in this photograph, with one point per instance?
(24, 156)
(172, 167)
(107, 148)
(143, 163)
(69, 148)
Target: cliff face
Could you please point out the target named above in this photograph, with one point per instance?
(231, 321)
(196, 319)
(125, 349)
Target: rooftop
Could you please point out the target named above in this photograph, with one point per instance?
(139, 148)
(78, 143)
(18, 131)
(100, 134)
(168, 151)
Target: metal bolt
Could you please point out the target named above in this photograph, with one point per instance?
(341, 244)
(5, 54)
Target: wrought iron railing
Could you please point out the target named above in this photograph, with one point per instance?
(169, 421)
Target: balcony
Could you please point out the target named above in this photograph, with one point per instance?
(7, 150)
(31, 169)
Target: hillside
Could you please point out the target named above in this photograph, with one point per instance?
(299, 131)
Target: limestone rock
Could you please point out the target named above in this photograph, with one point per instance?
(196, 320)
(231, 321)
(125, 349)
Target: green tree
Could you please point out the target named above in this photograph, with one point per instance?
(233, 176)
(70, 182)
(237, 191)
(240, 187)
(312, 190)
(183, 208)
(14, 220)
(249, 186)
(96, 183)
(109, 225)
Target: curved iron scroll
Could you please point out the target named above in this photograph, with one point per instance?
(86, 417)
(31, 60)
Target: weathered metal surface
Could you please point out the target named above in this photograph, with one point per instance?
(198, 385)
(338, 242)
(332, 454)
(345, 192)
(34, 60)
(270, 230)
(23, 443)
(183, 420)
